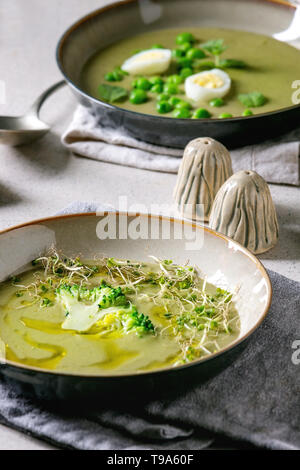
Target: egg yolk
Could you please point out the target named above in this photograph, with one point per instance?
(149, 56)
(209, 80)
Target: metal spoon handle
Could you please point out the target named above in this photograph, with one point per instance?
(35, 108)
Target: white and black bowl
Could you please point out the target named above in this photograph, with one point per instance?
(223, 261)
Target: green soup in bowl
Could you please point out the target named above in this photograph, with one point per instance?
(254, 63)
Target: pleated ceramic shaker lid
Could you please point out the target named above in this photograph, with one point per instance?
(243, 210)
(205, 166)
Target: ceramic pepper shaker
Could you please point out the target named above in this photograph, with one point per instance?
(205, 166)
(243, 210)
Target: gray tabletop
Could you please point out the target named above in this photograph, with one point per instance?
(39, 179)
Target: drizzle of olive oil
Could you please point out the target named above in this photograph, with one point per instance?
(49, 362)
(115, 356)
(56, 329)
(45, 326)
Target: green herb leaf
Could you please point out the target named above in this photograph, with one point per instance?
(252, 100)
(203, 64)
(112, 93)
(232, 64)
(214, 46)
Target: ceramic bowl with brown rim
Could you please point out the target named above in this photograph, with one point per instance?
(224, 263)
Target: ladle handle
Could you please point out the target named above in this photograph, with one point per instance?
(35, 108)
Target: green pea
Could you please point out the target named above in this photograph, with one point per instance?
(183, 104)
(157, 46)
(175, 79)
(225, 116)
(174, 100)
(201, 113)
(184, 62)
(116, 75)
(156, 81)
(110, 77)
(158, 88)
(186, 72)
(141, 84)
(186, 46)
(163, 107)
(138, 96)
(216, 102)
(195, 53)
(185, 37)
(247, 112)
(177, 53)
(163, 97)
(181, 113)
(170, 89)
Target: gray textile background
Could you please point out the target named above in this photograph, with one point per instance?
(255, 399)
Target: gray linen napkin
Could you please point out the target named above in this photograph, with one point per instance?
(256, 399)
(277, 161)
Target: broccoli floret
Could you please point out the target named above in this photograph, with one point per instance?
(85, 307)
(104, 295)
(139, 322)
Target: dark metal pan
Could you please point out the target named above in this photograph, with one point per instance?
(120, 20)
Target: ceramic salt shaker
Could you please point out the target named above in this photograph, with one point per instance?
(243, 210)
(205, 166)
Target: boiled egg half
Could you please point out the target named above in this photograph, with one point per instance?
(148, 62)
(205, 86)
